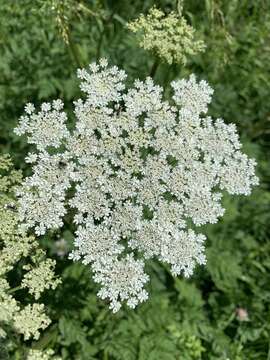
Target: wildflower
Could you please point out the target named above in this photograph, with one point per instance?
(143, 170)
(169, 36)
(242, 314)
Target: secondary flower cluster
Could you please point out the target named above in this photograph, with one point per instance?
(16, 247)
(144, 170)
(168, 36)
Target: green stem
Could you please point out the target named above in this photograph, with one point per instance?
(11, 291)
(87, 10)
(100, 43)
(102, 33)
(180, 7)
(73, 49)
(105, 355)
(46, 338)
(154, 68)
(268, 355)
(227, 323)
(175, 278)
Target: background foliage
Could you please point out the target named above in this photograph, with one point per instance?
(223, 312)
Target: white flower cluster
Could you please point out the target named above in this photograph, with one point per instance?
(40, 278)
(22, 254)
(30, 320)
(42, 355)
(169, 36)
(143, 170)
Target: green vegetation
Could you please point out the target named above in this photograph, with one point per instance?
(223, 311)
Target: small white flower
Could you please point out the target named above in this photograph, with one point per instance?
(46, 107)
(58, 104)
(121, 280)
(191, 95)
(31, 158)
(45, 128)
(29, 108)
(103, 62)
